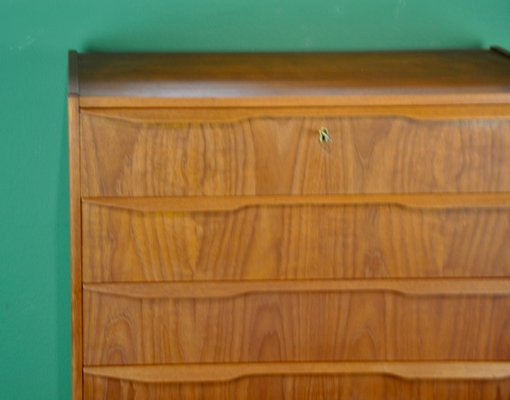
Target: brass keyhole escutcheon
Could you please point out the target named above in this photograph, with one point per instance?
(324, 136)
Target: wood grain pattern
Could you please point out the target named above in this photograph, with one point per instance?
(219, 251)
(421, 201)
(469, 97)
(282, 155)
(293, 326)
(302, 388)
(75, 231)
(209, 290)
(231, 372)
(438, 77)
(294, 242)
(223, 114)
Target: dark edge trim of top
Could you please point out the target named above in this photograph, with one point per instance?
(501, 51)
(73, 87)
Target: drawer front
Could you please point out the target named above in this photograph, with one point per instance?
(299, 387)
(286, 321)
(150, 243)
(140, 156)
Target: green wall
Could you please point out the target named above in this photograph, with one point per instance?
(34, 38)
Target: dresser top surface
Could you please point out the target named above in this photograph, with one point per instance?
(285, 75)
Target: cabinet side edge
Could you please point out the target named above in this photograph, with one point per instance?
(75, 231)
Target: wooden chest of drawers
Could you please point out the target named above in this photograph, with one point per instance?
(290, 226)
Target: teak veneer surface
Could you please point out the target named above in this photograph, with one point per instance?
(226, 372)
(295, 326)
(294, 242)
(301, 387)
(295, 78)
(219, 251)
(424, 201)
(282, 155)
(229, 289)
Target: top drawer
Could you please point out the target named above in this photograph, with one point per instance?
(162, 153)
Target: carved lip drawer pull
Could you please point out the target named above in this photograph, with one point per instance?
(324, 136)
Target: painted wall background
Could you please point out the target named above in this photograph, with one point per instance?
(34, 38)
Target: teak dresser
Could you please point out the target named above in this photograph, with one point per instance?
(291, 226)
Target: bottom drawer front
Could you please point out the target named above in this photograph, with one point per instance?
(375, 381)
(295, 321)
